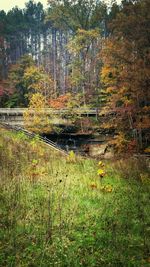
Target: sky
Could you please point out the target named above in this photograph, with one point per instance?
(9, 4)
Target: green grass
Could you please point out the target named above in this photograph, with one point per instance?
(56, 211)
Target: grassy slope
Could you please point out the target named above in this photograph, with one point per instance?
(55, 212)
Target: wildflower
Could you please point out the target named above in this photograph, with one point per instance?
(101, 172)
(108, 188)
(101, 164)
(93, 186)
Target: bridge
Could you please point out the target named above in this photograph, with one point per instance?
(14, 116)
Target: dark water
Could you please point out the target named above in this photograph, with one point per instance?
(79, 143)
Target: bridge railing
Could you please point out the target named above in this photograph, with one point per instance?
(17, 111)
(32, 135)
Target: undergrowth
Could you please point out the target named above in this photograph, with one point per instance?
(61, 211)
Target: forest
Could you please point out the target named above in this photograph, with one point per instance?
(77, 54)
(59, 208)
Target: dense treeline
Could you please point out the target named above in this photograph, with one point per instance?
(88, 52)
(46, 34)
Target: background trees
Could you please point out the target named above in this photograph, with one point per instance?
(45, 35)
(84, 67)
(17, 80)
(126, 72)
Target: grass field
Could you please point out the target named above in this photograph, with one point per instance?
(58, 211)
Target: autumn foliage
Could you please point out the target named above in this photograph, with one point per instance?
(125, 75)
(59, 102)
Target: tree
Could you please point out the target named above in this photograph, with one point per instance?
(28, 79)
(34, 20)
(84, 68)
(37, 80)
(15, 37)
(35, 117)
(40, 87)
(16, 79)
(60, 102)
(66, 18)
(126, 72)
(74, 15)
(3, 47)
(7, 95)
